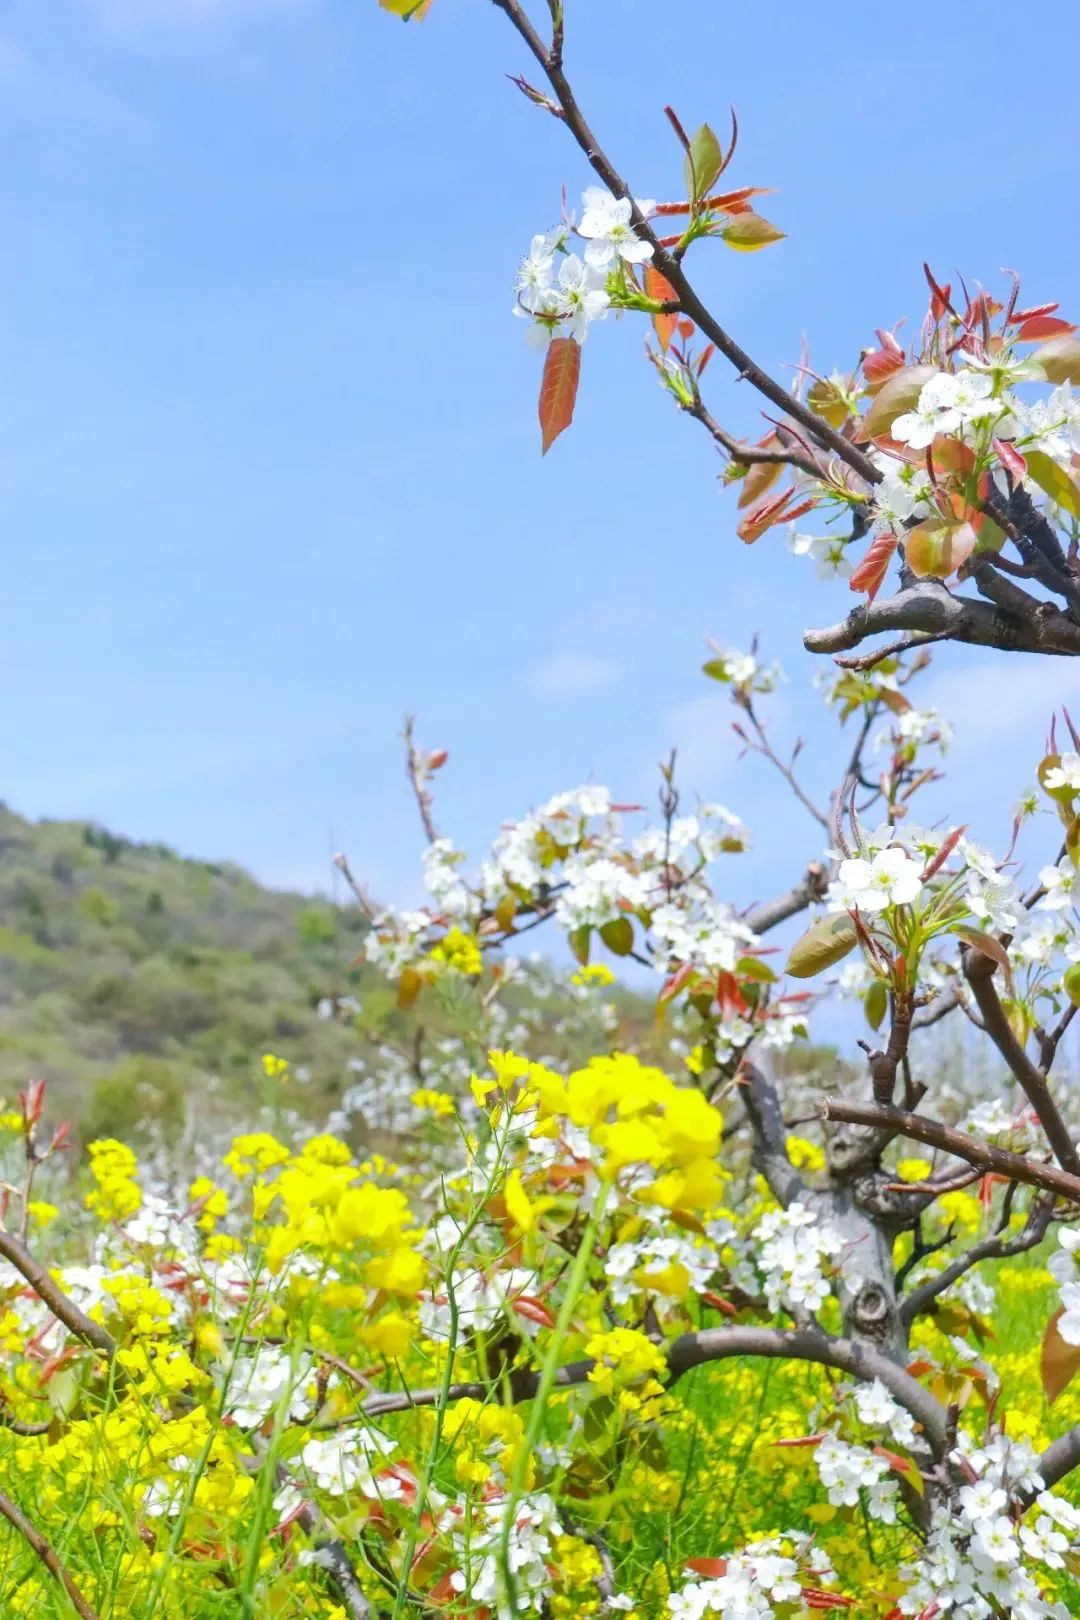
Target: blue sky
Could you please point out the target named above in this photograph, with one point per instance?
(269, 460)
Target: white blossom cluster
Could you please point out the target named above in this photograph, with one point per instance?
(1064, 1267)
(476, 1537)
(771, 1571)
(562, 293)
(481, 1300)
(978, 1557)
(793, 1248)
(631, 1267)
(353, 1459)
(268, 1378)
(846, 1470)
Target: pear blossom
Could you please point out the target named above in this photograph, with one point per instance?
(579, 297)
(891, 878)
(946, 403)
(1065, 775)
(605, 221)
(1060, 885)
(829, 554)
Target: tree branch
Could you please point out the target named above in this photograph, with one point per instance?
(928, 606)
(63, 1308)
(855, 1357)
(979, 972)
(996, 1247)
(899, 1122)
(770, 1155)
(770, 913)
(671, 267)
(34, 1539)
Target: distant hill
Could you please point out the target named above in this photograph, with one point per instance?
(130, 975)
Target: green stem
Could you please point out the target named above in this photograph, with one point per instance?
(552, 1361)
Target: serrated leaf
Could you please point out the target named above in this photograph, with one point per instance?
(618, 935)
(1060, 1360)
(1054, 480)
(1059, 360)
(660, 288)
(703, 163)
(825, 943)
(748, 232)
(558, 389)
(899, 394)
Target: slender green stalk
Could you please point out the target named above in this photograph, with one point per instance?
(553, 1359)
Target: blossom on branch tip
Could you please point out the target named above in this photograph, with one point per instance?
(606, 223)
(891, 878)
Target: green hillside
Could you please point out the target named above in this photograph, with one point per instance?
(130, 976)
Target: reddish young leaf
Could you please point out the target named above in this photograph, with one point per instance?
(768, 512)
(1059, 1360)
(533, 1310)
(1017, 317)
(939, 296)
(870, 573)
(678, 979)
(938, 549)
(712, 1568)
(660, 288)
(1044, 326)
(558, 389)
(1010, 458)
(880, 364)
(815, 1598)
(761, 475)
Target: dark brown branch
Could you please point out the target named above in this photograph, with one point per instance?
(930, 607)
(995, 1247)
(64, 1309)
(900, 1122)
(855, 1357)
(670, 266)
(34, 1539)
(749, 455)
(979, 971)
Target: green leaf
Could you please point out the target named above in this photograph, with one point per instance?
(900, 394)
(1071, 983)
(826, 400)
(703, 163)
(876, 1003)
(407, 10)
(618, 935)
(748, 232)
(754, 969)
(1054, 480)
(938, 549)
(578, 940)
(825, 943)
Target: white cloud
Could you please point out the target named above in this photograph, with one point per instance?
(701, 733)
(569, 674)
(1005, 703)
